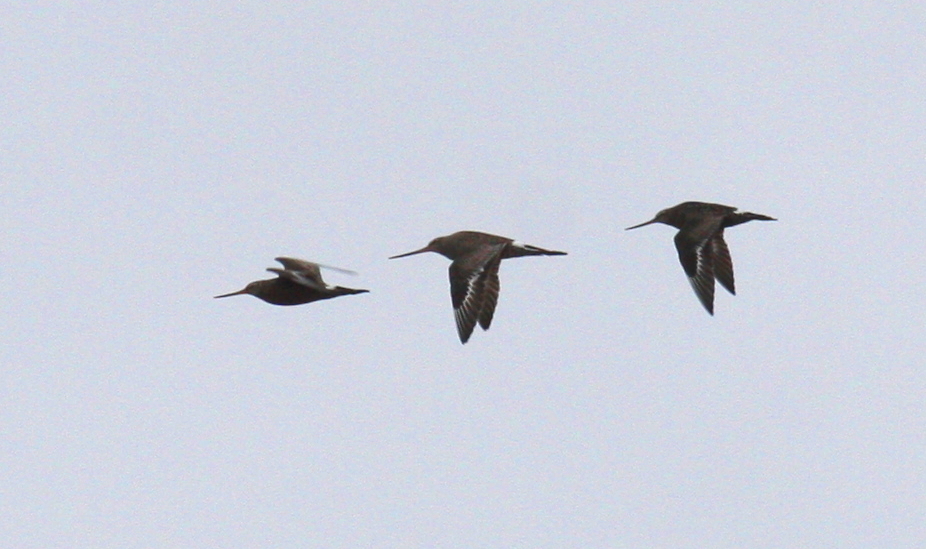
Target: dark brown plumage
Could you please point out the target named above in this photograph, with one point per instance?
(474, 282)
(299, 282)
(702, 251)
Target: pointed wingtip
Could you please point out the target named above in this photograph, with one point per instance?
(709, 307)
(337, 269)
(464, 337)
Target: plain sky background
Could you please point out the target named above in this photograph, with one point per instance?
(154, 154)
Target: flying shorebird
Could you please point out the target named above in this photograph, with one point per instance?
(474, 273)
(298, 282)
(701, 249)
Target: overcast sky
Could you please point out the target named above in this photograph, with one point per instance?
(155, 154)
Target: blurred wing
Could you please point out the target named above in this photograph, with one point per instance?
(307, 268)
(306, 272)
(299, 277)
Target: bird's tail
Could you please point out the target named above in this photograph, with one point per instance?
(737, 218)
(341, 290)
(519, 249)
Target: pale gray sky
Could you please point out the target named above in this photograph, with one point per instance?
(153, 155)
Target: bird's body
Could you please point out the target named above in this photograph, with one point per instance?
(298, 282)
(702, 251)
(474, 284)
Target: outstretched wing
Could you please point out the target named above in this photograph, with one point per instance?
(490, 297)
(300, 271)
(723, 264)
(474, 289)
(298, 277)
(696, 254)
(304, 272)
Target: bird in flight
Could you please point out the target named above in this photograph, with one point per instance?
(702, 250)
(298, 282)
(474, 282)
